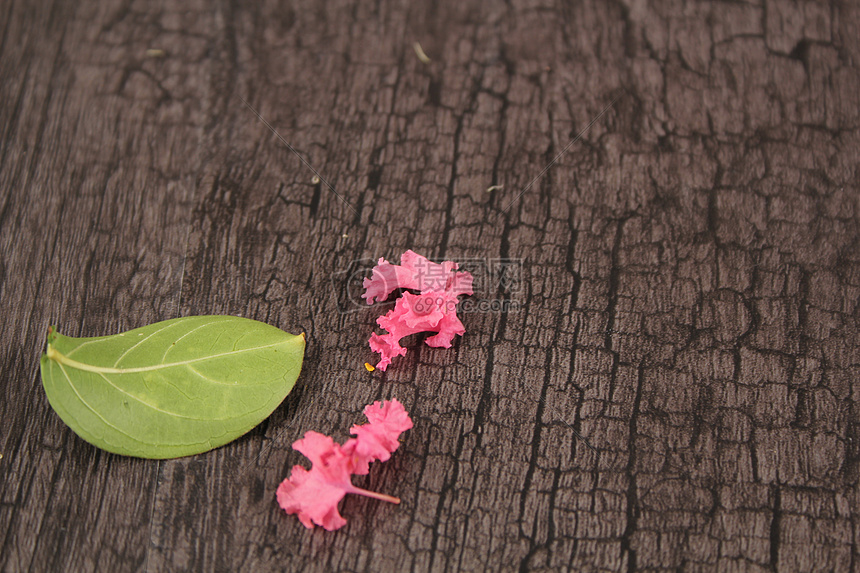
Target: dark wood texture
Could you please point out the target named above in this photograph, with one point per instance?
(690, 286)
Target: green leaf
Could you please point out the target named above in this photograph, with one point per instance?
(173, 388)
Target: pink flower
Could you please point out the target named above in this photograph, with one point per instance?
(433, 310)
(314, 494)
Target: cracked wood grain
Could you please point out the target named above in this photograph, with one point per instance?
(688, 303)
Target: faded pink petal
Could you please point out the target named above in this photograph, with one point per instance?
(313, 494)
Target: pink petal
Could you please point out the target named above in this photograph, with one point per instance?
(460, 283)
(448, 328)
(390, 415)
(314, 500)
(377, 439)
(426, 275)
(433, 310)
(417, 273)
(387, 345)
(413, 313)
(327, 457)
(385, 279)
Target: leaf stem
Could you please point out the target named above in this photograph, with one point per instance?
(61, 358)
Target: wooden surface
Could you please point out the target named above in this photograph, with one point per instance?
(688, 299)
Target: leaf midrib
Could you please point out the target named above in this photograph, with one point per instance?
(57, 356)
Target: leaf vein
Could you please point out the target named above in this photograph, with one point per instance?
(156, 408)
(91, 409)
(141, 341)
(207, 378)
(172, 346)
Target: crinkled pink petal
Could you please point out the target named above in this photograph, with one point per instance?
(385, 279)
(460, 283)
(387, 346)
(326, 456)
(401, 321)
(389, 417)
(412, 272)
(377, 439)
(449, 327)
(417, 273)
(434, 309)
(413, 313)
(313, 494)
(426, 275)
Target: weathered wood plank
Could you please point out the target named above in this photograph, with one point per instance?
(688, 303)
(97, 186)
